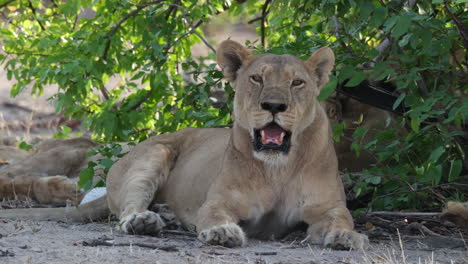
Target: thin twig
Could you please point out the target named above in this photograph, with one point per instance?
(104, 92)
(111, 33)
(387, 42)
(117, 26)
(5, 4)
(202, 38)
(34, 13)
(403, 214)
(54, 4)
(22, 54)
(172, 9)
(166, 50)
(255, 20)
(179, 233)
(263, 18)
(460, 27)
(101, 242)
(338, 36)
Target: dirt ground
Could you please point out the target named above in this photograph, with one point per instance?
(59, 242)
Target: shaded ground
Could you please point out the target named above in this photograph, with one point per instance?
(52, 242)
(23, 241)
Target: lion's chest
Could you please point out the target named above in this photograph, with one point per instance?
(281, 213)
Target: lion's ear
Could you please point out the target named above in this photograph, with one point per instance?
(321, 63)
(230, 57)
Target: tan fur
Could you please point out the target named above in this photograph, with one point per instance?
(356, 114)
(12, 155)
(457, 213)
(45, 175)
(219, 186)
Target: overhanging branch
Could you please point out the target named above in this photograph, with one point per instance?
(459, 24)
(263, 20)
(117, 26)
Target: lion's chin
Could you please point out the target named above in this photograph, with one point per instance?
(275, 159)
(271, 140)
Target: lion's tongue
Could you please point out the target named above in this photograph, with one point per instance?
(272, 134)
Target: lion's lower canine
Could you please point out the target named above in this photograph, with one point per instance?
(274, 169)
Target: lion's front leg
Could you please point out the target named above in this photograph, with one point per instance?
(334, 228)
(132, 184)
(217, 221)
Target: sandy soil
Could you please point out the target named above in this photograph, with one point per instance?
(52, 242)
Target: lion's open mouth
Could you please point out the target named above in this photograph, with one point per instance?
(272, 137)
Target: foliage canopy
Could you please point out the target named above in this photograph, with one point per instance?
(419, 46)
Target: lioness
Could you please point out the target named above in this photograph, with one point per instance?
(276, 168)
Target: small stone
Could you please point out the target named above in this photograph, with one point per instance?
(37, 250)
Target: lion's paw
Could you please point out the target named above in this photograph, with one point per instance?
(346, 239)
(144, 223)
(229, 235)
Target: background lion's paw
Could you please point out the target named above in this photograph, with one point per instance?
(346, 239)
(229, 235)
(144, 223)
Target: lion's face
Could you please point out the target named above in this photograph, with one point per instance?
(275, 95)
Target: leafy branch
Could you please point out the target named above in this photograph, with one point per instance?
(6, 3)
(459, 24)
(33, 10)
(265, 11)
(125, 18)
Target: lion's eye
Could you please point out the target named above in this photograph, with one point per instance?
(256, 78)
(297, 82)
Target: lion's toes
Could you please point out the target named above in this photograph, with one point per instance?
(144, 223)
(346, 239)
(229, 235)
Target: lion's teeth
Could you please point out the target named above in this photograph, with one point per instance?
(281, 138)
(262, 133)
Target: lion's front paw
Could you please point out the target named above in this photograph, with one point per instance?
(144, 223)
(346, 239)
(229, 235)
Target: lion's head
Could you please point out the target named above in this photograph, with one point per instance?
(275, 94)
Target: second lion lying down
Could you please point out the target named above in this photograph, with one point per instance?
(276, 168)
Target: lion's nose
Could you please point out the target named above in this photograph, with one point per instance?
(274, 107)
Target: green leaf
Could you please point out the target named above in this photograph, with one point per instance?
(374, 180)
(366, 10)
(388, 25)
(415, 125)
(435, 155)
(25, 146)
(398, 101)
(338, 131)
(401, 26)
(404, 41)
(357, 78)
(345, 73)
(86, 179)
(328, 89)
(378, 17)
(106, 163)
(456, 167)
(360, 132)
(434, 174)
